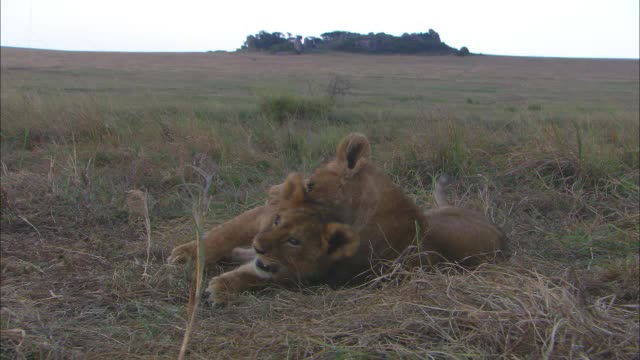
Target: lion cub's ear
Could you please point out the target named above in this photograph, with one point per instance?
(340, 241)
(353, 152)
(292, 193)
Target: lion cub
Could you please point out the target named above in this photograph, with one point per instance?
(336, 225)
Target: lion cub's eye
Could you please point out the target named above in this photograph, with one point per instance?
(276, 221)
(293, 241)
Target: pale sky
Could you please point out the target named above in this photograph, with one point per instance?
(563, 28)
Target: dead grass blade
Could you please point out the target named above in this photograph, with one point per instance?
(199, 208)
(147, 227)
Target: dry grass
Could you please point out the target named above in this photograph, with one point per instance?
(547, 148)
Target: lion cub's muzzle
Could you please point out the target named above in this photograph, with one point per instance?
(271, 268)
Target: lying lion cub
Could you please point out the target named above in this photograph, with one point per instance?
(348, 216)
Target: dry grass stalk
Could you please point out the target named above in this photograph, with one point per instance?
(32, 226)
(196, 290)
(147, 228)
(138, 206)
(200, 208)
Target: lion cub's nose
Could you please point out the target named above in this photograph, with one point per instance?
(267, 268)
(259, 251)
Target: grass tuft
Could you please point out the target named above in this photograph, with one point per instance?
(288, 107)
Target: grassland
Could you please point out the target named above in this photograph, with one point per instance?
(547, 148)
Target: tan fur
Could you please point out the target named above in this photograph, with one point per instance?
(300, 243)
(222, 239)
(337, 224)
(387, 220)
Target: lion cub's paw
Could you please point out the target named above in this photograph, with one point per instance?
(181, 254)
(217, 292)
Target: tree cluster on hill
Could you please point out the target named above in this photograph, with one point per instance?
(272, 42)
(380, 43)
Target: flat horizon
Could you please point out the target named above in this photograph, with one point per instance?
(312, 54)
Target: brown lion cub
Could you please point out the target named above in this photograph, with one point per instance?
(345, 218)
(303, 241)
(388, 222)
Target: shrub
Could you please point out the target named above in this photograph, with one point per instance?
(283, 107)
(339, 86)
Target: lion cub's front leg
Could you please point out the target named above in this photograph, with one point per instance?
(221, 240)
(224, 288)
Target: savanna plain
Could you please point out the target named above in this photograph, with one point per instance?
(548, 149)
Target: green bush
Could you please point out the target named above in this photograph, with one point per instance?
(283, 107)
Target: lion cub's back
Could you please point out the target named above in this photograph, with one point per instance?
(463, 235)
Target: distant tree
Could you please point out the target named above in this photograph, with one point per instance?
(297, 44)
(338, 35)
(250, 43)
(265, 41)
(286, 46)
(434, 35)
(463, 51)
(311, 42)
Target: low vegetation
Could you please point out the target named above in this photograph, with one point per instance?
(290, 107)
(546, 148)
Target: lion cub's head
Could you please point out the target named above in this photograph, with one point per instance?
(329, 181)
(304, 237)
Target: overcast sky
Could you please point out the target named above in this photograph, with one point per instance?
(566, 28)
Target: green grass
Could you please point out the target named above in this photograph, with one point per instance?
(553, 159)
(286, 107)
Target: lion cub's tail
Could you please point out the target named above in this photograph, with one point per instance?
(440, 192)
